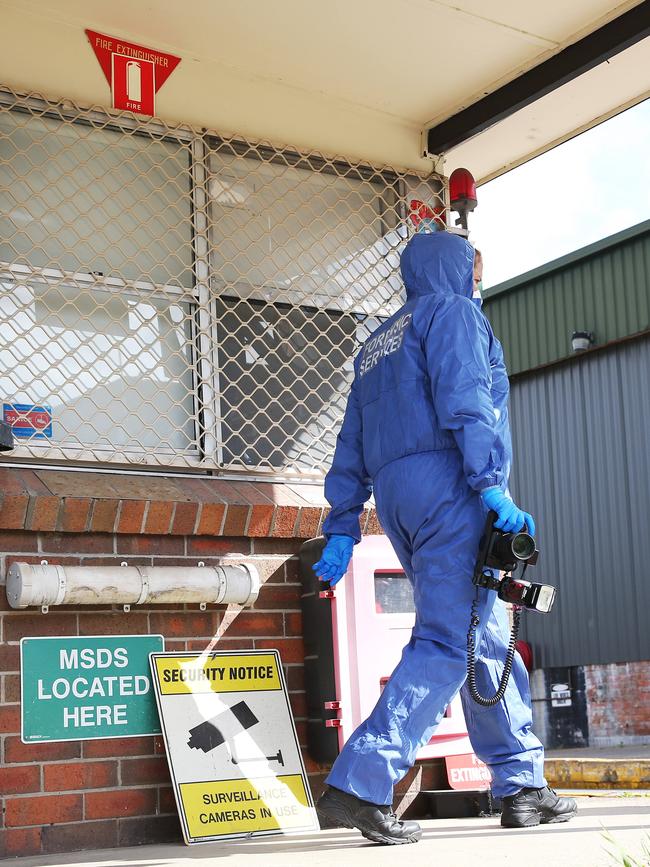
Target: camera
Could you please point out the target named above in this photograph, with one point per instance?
(507, 553)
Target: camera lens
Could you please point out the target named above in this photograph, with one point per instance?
(523, 546)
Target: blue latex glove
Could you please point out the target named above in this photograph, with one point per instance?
(511, 518)
(335, 559)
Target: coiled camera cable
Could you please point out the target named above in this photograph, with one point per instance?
(471, 656)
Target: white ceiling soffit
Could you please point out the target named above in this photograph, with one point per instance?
(593, 97)
(359, 78)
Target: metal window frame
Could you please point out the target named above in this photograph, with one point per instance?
(112, 285)
(204, 347)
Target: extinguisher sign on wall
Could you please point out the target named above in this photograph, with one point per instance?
(132, 84)
(135, 73)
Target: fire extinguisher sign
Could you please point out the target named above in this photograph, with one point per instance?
(134, 72)
(232, 746)
(133, 84)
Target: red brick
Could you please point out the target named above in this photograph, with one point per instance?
(295, 677)
(17, 842)
(43, 513)
(256, 623)
(9, 657)
(131, 515)
(9, 719)
(17, 751)
(12, 689)
(292, 570)
(139, 771)
(118, 747)
(210, 490)
(325, 514)
(261, 520)
(293, 623)
(291, 649)
(18, 541)
(247, 492)
(122, 802)
(185, 624)
(170, 546)
(184, 519)
(133, 623)
(236, 520)
(159, 517)
(20, 779)
(301, 731)
(80, 836)
(285, 522)
(154, 829)
(223, 644)
(43, 810)
(104, 516)
(14, 481)
(73, 518)
(298, 701)
(175, 646)
(13, 511)
(280, 494)
(211, 519)
(198, 546)
(79, 775)
(278, 596)
(76, 543)
(277, 546)
(166, 800)
(309, 522)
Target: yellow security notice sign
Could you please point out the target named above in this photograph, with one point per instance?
(231, 744)
(230, 806)
(227, 673)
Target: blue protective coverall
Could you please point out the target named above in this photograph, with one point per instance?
(426, 429)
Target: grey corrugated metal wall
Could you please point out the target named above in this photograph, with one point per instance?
(603, 288)
(581, 435)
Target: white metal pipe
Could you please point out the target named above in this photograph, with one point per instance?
(46, 585)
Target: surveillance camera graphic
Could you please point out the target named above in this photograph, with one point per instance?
(223, 728)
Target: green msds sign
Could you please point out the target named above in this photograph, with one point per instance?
(88, 687)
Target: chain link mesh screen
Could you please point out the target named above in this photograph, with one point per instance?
(175, 298)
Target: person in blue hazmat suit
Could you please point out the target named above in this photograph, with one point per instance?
(426, 430)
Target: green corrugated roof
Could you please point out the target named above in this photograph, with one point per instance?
(603, 288)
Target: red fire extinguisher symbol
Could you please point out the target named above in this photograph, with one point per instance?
(133, 84)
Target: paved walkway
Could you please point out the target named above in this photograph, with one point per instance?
(446, 843)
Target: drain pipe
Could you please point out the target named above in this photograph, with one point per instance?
(44, 585)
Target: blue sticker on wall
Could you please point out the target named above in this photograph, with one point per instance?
(28, 421)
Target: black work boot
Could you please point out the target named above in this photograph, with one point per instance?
(376, 823)
(536, 807)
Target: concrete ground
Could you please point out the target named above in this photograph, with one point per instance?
(448, 842)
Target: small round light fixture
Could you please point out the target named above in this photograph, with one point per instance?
(582, 340)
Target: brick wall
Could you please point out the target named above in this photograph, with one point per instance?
(65, 796)
(618, 698)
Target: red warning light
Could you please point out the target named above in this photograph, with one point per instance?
(462, 194)
(462, 190)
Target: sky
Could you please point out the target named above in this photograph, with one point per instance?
(588, 188)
